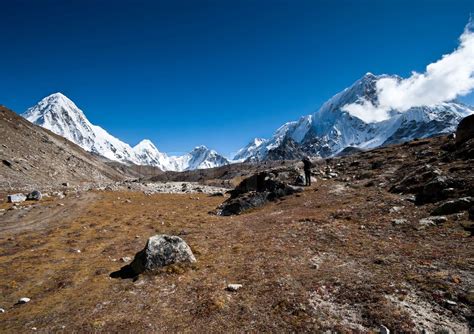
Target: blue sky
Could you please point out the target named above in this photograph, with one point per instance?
(218, 73)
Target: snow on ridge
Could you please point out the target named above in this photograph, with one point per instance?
(330, 129)
(59, 114)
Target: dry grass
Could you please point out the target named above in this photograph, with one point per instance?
(307, 263)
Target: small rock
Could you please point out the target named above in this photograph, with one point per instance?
(233, 287)
(470, 297)
(126, 259)
(24, 300)
(450, 302)
(425, 222)
(65, 184)
(35, 195)
(2, 310)
(7, 163)
(438, 219)
(399, 221)
(395, 209)
(300, 180)
(16, 198)
(384, 330)
(410, 198)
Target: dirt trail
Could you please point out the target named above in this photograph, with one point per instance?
(46, 214)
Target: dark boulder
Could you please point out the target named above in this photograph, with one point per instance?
(413, 181)
(7, 163)
(435, 190)
(35, 195)
(454, 206)
(255, 191)
(235, 206)
(465, 130)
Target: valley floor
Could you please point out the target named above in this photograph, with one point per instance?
(328, 258)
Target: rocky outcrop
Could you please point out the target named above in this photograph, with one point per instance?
(465, 129)
(454, 206)
(255, 191)
(162, 250)
(287, 150)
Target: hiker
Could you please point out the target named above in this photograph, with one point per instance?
(307, 170)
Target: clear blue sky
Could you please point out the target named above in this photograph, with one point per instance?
(218, 73)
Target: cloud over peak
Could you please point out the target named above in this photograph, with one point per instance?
(444, 80)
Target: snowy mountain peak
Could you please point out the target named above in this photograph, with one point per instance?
(249, 150)
(331, 129)
(54, 103)
(200, 148)
(258, 141)
(145, 144)
(60, 115)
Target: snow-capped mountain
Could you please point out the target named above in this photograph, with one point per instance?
(201, 157)
(60, 115)
(329, 130)
(146, 153)
(249, 150)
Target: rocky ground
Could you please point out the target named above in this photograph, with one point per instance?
(365, 248)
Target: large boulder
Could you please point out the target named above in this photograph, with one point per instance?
(465, 130)
(454, 206)
(162, 250)
(235, 206)
(435, 190)
(255, 191)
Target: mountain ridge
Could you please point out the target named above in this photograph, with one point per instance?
(331, 129)
(59, 114)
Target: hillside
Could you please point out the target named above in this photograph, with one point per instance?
(35, 158)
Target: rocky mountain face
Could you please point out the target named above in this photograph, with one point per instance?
(330, 130)
(60, 115)
(250, 150)
(33, 157)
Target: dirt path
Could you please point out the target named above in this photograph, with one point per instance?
(46, 214)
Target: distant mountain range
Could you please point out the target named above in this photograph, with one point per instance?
(60, 115)
(330, 130)
(327, 132)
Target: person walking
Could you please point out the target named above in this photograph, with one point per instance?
(307, 170)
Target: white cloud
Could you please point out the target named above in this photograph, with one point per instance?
(448, 78)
